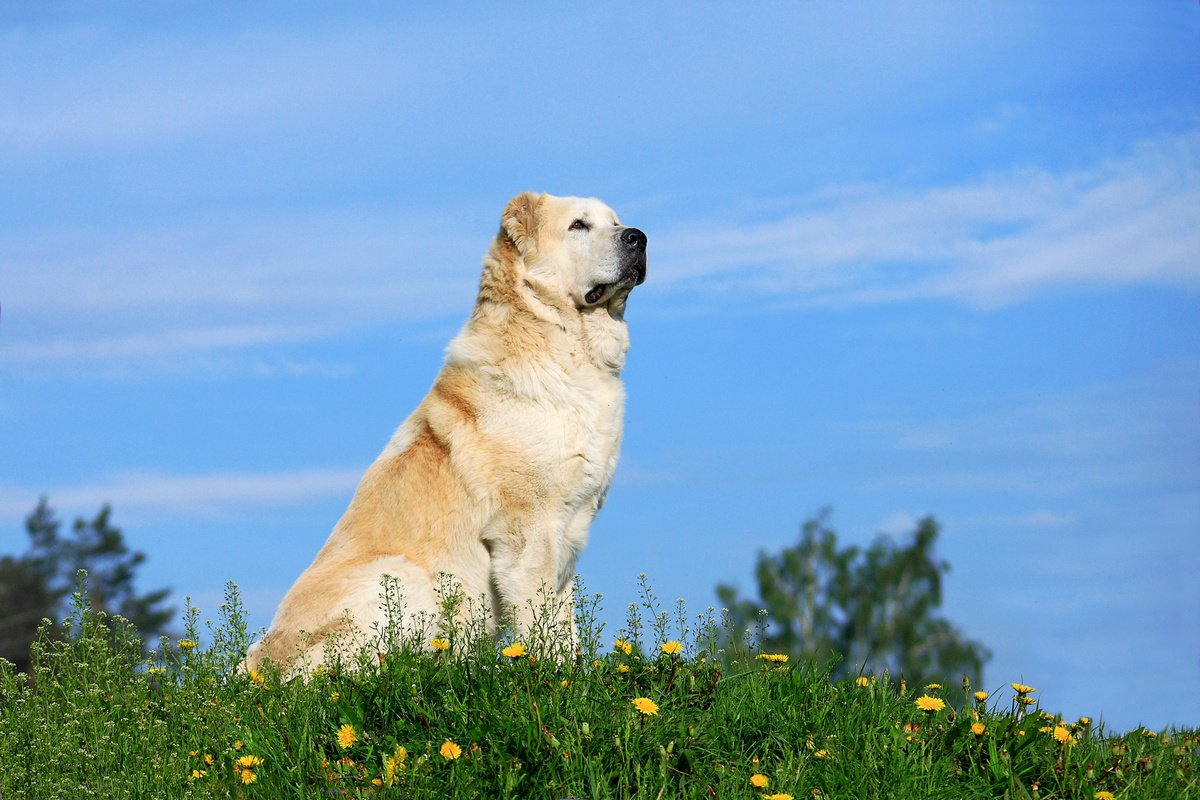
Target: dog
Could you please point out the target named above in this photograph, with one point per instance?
(495, 478)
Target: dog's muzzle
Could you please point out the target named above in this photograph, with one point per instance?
(634, 242)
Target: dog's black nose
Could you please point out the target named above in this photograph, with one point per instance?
(632, 237)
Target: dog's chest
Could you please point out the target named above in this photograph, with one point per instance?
(580, 433)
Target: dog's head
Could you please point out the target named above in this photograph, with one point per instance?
(575, 249)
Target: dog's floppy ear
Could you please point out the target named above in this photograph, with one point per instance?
(519, 222)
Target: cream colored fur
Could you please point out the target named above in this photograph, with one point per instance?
(495, 478)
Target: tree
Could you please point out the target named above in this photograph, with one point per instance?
(867, 611)
(36, 585)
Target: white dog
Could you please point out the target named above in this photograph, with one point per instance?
(495, 478)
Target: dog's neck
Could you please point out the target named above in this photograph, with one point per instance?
(528, 310)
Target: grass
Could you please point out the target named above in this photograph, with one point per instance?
(656, 711)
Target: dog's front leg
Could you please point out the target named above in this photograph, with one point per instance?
(525, 573)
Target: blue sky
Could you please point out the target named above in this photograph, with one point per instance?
(904, 259)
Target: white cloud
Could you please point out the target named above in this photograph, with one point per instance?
(990, 241)
(76, 295)
(138, 295)
(203, 496)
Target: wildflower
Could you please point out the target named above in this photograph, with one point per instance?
(759, 781)
(248, 776)
(346, 736)
(1102, 795)
(778, 797)
(193, 754)
(1021, 688)
(930, 704)
(450, 750)
(156, 671)
(1149, 734)
(208, 759)
(439, 644)
(1062, 734)
(623, 668)
(393, 764)
(335, 696)
(934, 687)
(646, 706)
(514, 650)
(624, 646)
(257, 677)
(821, 754)
(238, 745)
(1025, 701)
(1085, 721)
(981, 697)
(187, 644)
(376, 781)
(672, 648)
(197, 774)
(777, 658)
(862, 680)
(978, 729)
(564, 683)
(249, 762)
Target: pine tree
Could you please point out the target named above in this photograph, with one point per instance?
(37, 584)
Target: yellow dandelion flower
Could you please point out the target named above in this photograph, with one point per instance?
(208, 759)
(672, 648)
(1149, 734)
(981, 696)
(978, 729)
(930, 704)
(624, 646)
(377, 781)
(197, 774)
(450, 750)
(862, 680)
(514, 650)
(257, 677)
(193, 754)
(780, 796)
(1021, 688)
(335, 696)
(776, 658)
(1085, 721)
(346, 736)
(156, 671)
(933, 687)
(248, 776)
(439, 644)
(646, 706)
(1103, 795)
(564, 683)
(249, 762)
(1025, 701)
(759, 781)
(187, 644)
(822, 753)
(1062, 734)
(238, 745)
(623, 668)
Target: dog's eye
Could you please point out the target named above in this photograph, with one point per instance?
(580, 225)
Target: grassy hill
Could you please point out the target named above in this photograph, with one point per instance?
(654, 711)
